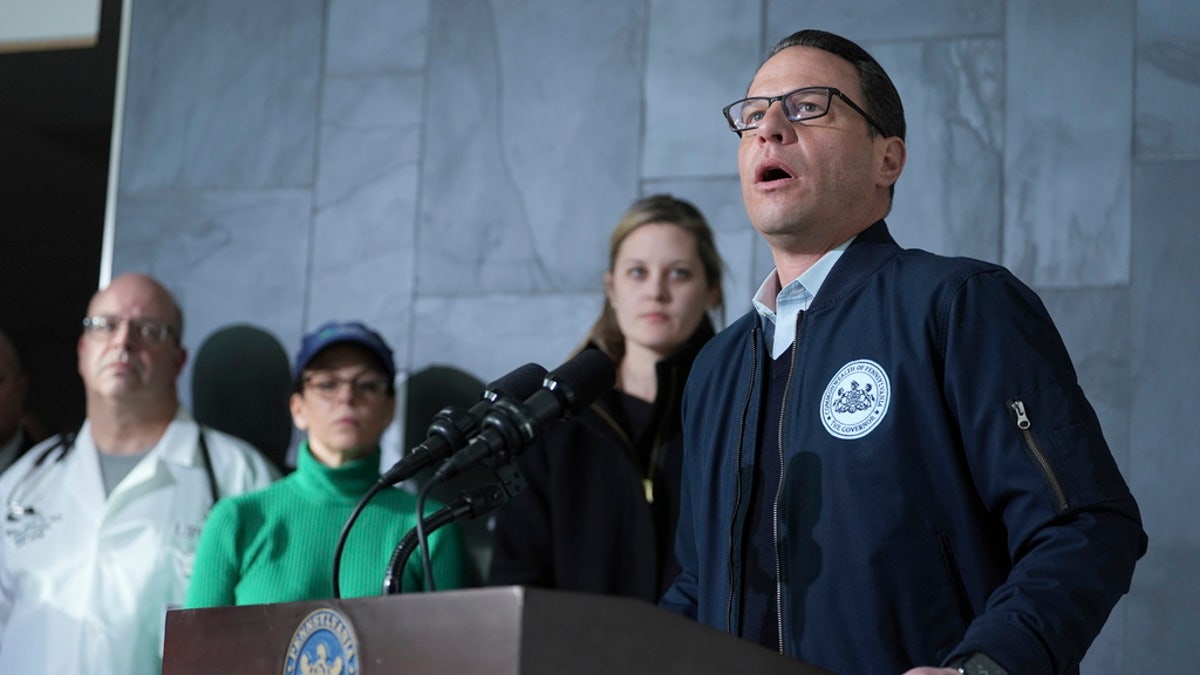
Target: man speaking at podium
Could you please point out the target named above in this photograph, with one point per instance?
(889, 467)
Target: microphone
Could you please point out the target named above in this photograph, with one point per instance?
(452, 427)
(510, 426)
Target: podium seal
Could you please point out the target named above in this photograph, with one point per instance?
(323, 644)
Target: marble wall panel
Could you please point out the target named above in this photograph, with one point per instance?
(1067, 161)
(370, 127)
(362, 261)
(376, 35)
(742, 278)
(1168, 79)
(862, 20)
(700, 57)
(948, 199)
(1094, 324)
(1164, 606)
(228, 257)
(221, 94)
(489, 336)
(531, 142)
(1166, 332)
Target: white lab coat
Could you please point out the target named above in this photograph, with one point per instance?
(85, 581)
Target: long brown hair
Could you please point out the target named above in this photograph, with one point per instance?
(660, 208)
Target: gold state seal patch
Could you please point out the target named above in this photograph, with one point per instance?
(323, 644)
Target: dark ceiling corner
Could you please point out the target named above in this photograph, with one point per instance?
(56, 112)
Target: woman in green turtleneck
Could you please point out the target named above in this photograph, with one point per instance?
(277, 544)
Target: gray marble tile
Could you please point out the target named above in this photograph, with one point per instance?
(1164, 606)
(1168, 79)
(948, 199)
(1094, 324)
(743, 276)
(1166, 331)
(872, 20)
(370, 127)
(488, 336)
(363, 259)
(1163, 609)
(221, 95)
(376, 35)
(1067, 160)
(700, 57)
(364, 235)
(533, 153)
(229, 257)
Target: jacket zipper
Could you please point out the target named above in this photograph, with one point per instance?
(1024, 427)
(787, 390)
(737, 491)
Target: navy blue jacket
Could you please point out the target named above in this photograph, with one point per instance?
(945, 489)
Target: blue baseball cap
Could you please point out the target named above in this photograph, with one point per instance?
(338, 332)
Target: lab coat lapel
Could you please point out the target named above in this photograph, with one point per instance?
(155, 472)
(82, 472)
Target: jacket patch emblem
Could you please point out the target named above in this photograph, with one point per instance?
(856, 400)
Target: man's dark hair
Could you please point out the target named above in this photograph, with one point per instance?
(880, 97)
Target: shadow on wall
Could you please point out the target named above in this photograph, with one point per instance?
(241, 381)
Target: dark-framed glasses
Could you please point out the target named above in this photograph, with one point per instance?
(104, 326)
(807, 103)
(328, 386)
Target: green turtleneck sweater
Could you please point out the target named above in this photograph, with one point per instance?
(277, 544)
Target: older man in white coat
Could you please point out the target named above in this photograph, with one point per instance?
(101, 525)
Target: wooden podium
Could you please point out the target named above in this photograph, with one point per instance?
(500, 630)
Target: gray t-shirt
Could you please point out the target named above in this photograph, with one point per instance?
(114, 468)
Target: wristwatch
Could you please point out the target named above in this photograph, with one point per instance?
(978, 664)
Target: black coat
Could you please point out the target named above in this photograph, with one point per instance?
(583, 522)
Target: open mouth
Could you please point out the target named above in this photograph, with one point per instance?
(770, 171)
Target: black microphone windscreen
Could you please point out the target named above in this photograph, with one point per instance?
(518, 384)
(583, 379)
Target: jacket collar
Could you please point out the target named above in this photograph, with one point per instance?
(872, 248)
(180, 442)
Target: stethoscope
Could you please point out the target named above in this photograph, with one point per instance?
(18, 497)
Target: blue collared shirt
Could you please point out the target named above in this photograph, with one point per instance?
(779, 308)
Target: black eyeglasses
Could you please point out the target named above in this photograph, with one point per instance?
(104, 326)
(328, 386)
(799, 105)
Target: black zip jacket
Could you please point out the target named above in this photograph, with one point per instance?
(583, 522)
